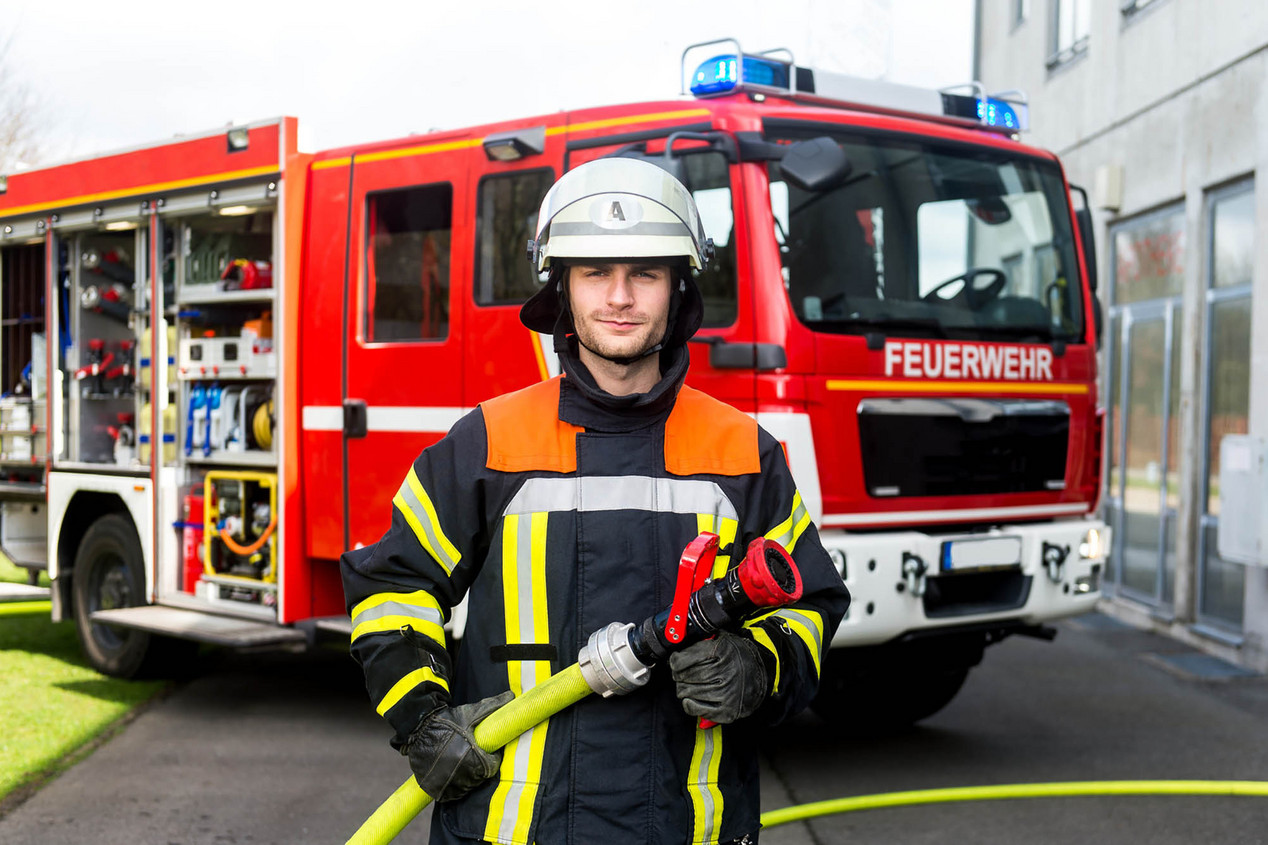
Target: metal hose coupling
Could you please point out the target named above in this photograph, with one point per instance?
(608, 663)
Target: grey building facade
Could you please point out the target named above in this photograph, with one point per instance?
(1159, 108)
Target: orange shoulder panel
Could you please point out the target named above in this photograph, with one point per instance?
(706, 436)
(525, 432)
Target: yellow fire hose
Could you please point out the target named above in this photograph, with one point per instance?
(801, 812)
(500, 727)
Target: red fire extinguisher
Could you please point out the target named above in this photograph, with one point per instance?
(192, 537)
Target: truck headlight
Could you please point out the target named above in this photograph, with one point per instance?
(1092, 546)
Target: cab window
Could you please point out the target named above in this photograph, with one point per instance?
(407, 263)
(508, 205)
(708, 179)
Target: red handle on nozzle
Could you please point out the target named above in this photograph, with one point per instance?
(694, 568)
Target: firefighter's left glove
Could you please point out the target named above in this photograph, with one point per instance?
(443, 753)
(722, 679)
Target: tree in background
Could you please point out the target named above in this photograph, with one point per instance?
(21, 125)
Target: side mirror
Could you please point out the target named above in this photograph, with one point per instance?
(818, 164)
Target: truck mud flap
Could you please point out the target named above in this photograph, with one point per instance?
(200, 627)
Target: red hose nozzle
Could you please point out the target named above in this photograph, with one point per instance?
(768, 575)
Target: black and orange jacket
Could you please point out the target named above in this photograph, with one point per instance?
(556, 510)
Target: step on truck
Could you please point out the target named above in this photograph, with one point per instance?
(219, 354)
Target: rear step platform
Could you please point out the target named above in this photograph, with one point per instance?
(22, 592)
(200, 626)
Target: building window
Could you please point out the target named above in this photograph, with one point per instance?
(508, 219)
(1021, 11)
(1071, 24)
(407, 263)
(1230, 240)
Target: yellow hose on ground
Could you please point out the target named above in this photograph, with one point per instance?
(500, 727)
(801, 812)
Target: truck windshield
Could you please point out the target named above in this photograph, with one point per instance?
(924, 239)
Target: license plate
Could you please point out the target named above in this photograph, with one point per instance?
(987, 553)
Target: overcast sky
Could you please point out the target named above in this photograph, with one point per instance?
(128, 72)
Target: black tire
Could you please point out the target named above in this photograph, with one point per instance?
(872, 699)
(109, 574)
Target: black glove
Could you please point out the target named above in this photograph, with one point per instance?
(443, 753)
(722, 679)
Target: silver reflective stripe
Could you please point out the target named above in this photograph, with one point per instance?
(706, 794)
(622, 492)
(438, 544)
(788, 538)
(391, 608)
(646, 228)
(812, 625)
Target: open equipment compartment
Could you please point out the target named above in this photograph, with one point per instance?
(225, 379)
(23, 403)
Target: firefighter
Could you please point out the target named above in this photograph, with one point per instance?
(565, 506)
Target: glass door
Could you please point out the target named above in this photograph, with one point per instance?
(1143, 493)
(1146, 464)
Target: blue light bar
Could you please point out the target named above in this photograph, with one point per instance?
(993, 112)
(719, 75)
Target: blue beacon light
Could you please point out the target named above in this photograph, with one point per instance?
(720, 74)
(993, 112)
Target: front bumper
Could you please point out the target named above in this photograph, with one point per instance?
(899, 585)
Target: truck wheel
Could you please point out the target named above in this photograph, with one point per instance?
(108, 574)
(870, 700)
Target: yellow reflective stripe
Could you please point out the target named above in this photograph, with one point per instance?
(409, 682)
(431, 630)
(524, 597)
(418, 598)
(415, 505)
(790, 530)
(763, 639)
(806, 624)
(392, 611)
(706, 798)
(725, 528)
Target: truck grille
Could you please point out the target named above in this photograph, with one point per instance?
(961, 447)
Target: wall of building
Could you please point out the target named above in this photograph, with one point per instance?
(1171, 99)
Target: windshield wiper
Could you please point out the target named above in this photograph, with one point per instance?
(882, 323)
(1031, 332)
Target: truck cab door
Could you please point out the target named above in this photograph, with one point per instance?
(501, 353)
(409, 254)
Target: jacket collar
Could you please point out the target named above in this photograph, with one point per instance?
(582, 402)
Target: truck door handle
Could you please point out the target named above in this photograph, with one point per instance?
(724, 355)
(354, 418)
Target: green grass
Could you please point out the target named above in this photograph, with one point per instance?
(18, 575)
(51, 703)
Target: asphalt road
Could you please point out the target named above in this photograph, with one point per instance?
(285, 749)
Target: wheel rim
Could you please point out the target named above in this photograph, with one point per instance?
(110, 589)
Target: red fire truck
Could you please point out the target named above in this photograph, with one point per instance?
(219, 354)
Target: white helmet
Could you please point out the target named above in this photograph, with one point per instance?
(619, 208)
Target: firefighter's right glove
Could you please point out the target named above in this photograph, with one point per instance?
(721, 679)
(443, 753)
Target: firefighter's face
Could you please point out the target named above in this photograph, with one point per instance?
(619, 310)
